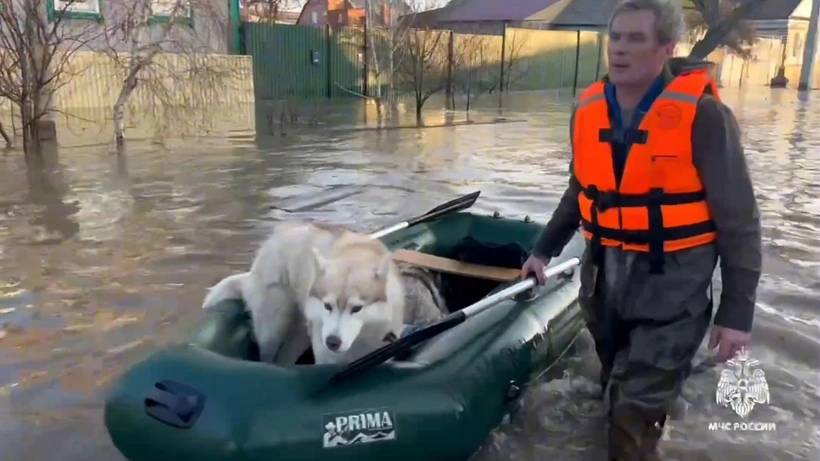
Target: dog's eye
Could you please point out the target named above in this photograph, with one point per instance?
(356, 308)
(328, 307)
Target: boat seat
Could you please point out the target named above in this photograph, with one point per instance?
(454, 266)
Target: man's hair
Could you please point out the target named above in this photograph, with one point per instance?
(669, 24)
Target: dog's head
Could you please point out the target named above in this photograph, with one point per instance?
(352, 292)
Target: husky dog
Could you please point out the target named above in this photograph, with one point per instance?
(322, 286)
(357, 303)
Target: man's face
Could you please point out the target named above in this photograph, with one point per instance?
(635, 56)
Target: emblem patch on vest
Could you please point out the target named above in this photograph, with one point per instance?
(354, 428)
(669, 116)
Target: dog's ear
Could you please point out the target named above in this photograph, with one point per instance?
(321, 261)
(383, 267)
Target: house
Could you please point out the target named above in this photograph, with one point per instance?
(351, 13)
(788, 22)
(785, 20)
(276, 11)
(479, 16)
(201, 23)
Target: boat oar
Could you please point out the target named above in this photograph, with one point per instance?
(461, 203)
(405, 343)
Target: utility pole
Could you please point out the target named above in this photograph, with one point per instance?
(810, 49)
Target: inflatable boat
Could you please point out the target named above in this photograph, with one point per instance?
(437, 398)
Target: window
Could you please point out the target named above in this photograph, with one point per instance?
(78, 6)
(76, 9)
(314, 16)
(167, 8)
(178, 11)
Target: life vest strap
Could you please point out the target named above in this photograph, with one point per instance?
(643, 237)
(611, 199)
(631, 136)
(656, 231)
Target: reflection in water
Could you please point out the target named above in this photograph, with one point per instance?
(105, 258)
(47, 188)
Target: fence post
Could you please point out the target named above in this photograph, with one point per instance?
(503, 62)
(236, 45)
(366, 68)
(329, 69)
(577, 61)
(600, 51)
(450, 101)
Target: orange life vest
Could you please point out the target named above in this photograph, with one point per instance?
(659, 205)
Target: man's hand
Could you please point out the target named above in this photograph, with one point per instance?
(535, 265)
(729, 340)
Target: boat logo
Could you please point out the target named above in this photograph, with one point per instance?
(367, 426)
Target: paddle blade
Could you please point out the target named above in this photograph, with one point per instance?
(461, 203)
(397, 347)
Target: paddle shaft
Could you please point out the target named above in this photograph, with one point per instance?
(389, 230)
(519, 287)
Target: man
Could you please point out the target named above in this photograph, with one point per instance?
(660, 187)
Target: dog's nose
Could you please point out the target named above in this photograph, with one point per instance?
(333, 342)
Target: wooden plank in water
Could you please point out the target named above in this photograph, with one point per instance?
(453, 266)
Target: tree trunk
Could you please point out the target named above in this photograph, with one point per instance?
(119, 107)
(6, 137)
(379, 115)
(469, 91)
(119, 120)
(31, 132)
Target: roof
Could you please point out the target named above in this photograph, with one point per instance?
(561, 13)
(494, 10)
(596, 13)
(774, 10)
(483, 10)
(593, 13)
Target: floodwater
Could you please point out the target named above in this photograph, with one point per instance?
(105, 258)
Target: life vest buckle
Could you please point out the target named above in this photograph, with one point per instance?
(602, 201)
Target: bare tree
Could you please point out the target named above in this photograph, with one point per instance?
(723, 22)
(381, 44)
(481, 69)
(390, 29)
(422, 66)
(475, 72)
(512, 72)
(142, 33)
(35, 47)
(266, 11)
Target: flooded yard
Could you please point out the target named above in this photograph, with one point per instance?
(105, 258)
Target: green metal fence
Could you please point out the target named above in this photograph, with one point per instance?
(305, 62)
(292, 61)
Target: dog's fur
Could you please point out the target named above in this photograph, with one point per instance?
(320, 286)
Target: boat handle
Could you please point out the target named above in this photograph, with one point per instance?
(175, 404)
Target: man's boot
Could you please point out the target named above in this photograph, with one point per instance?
(634, 433)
